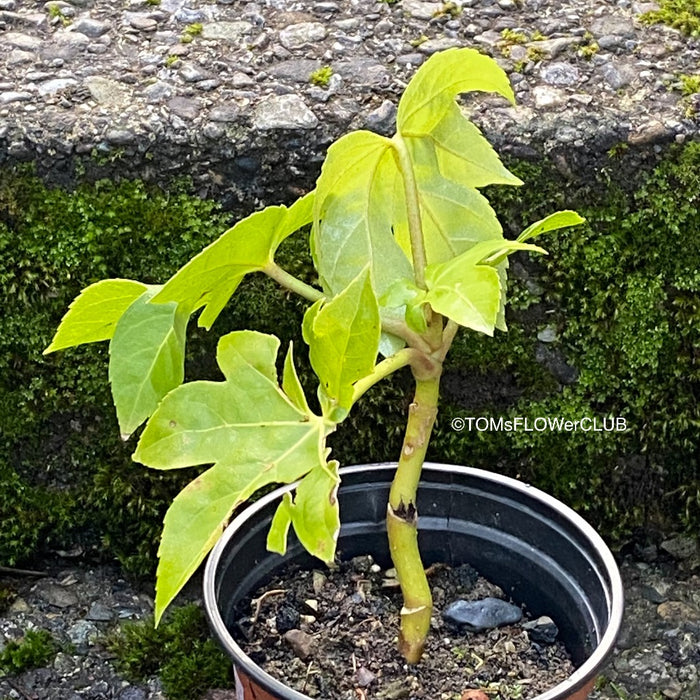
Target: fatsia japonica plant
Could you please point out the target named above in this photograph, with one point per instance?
(407, 251)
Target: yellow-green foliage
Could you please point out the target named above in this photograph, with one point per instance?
(180, 651)
(681, 14)
(448, 9)
(510, 36)
(629, 309)
(64, 472)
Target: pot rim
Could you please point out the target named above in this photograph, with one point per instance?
(584, 674)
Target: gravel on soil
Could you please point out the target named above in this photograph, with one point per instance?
(224, 90)
(657, 655)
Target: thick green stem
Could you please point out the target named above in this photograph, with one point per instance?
(402, 518)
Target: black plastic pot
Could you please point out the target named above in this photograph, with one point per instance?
(537, 549)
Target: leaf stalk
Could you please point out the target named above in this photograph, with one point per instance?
(415, 227)
(294, 284)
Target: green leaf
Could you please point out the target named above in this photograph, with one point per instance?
(210, 278)
(353, 215)
(247, 428)
(468, 289)
(279, 527)
(560, 219)
(462, 153)
(400, 293)
(343, 337)
(93, 314)
(291, 384)
(313, 513)
(431, 93)
(471, 301)
(195, 521)
(454, 216)
(146, 359)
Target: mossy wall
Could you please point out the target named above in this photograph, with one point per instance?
(616, 303)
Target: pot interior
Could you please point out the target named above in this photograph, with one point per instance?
(515, 536)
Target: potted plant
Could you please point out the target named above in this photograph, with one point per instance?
(407, 252)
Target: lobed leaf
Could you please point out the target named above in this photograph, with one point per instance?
(94, 313)
(146, 359)
(210, 278)
(430, 95)
(245, 426)
(454, 216)
(353, 215)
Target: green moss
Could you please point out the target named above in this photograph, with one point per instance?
(689, 84)
(625, 295)
(180, 651)
(7, 596)
(511, 36)
(36, 649)
(63, 468)
(194, 29)
(680, 14)
(589, 50)
(322, 76)
(623, 291)
(448, 9)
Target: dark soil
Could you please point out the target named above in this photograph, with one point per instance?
(333, 635)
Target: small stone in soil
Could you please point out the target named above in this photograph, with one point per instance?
(542, 630)
(474, 695)
(301, 643)
(480, 615)
(364, 677)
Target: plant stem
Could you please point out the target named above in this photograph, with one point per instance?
(399, 328)
(415, 227)
(384, 369)
(294, 284)
(402, 518)
(282, 277)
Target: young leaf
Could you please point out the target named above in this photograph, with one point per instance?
(291, 384)
(467, 289)
(353, 215)
(454, 217)
(210, 278)
(246, 426)
(279, 527)
(560, 219)
(471, 300)
(343, 338)
(313, 513)
(93, 314)
(431, 93)
(146, 359)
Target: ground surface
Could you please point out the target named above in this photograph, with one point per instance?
(225, 90)
(657, 657)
